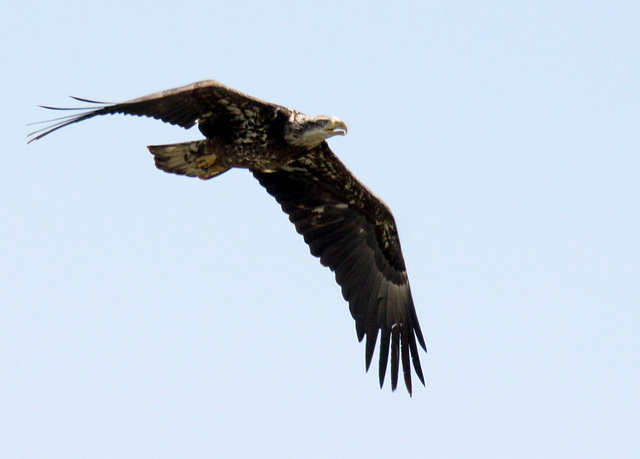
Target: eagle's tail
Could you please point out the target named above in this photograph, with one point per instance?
(188, 158)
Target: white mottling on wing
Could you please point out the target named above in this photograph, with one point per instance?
(293, 169)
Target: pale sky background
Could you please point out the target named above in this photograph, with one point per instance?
(146, 315)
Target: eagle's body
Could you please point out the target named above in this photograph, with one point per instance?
(345, 224)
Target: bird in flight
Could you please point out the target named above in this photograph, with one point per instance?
(344, 224)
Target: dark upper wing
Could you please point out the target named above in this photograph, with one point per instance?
(355, 235)
(181, 106)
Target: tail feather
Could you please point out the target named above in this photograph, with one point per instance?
(188, 158)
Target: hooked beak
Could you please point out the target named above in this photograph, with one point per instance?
(337, 127)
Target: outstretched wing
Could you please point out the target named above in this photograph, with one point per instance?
(182, 106)
(354, 234)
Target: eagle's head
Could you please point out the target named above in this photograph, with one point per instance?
(311, 131)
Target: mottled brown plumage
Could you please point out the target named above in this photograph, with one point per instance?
(344, 224)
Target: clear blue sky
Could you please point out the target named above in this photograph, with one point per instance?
(151, 315)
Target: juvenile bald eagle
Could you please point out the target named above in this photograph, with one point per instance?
(344, 224)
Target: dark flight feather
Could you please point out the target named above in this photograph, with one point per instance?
(341, 222)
